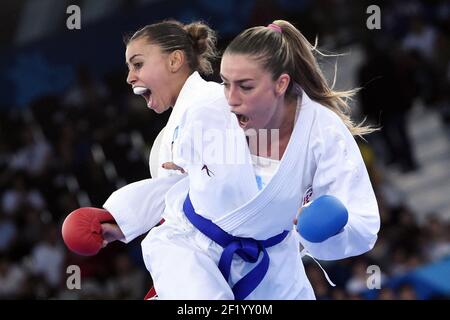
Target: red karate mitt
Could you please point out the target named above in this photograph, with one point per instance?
(82, 230)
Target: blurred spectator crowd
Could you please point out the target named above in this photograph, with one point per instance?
(75, 149)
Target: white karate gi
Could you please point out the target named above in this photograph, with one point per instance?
(321, 155)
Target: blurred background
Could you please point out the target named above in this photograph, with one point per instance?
(72, 132)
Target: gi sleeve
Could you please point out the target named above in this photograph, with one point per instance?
(138, 206)
(341, 172)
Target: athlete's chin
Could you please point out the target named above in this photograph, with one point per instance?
(158, 109)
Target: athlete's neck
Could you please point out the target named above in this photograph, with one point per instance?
(274, 144)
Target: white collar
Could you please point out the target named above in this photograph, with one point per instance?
(183, 100)
(187, 90)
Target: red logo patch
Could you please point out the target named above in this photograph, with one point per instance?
(307, 195)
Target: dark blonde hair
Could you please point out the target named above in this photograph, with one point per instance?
(196, 40)
(290, 52)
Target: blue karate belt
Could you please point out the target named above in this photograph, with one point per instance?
(247, 248)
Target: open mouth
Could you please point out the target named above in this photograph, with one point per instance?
(145, 92)
(243, 120)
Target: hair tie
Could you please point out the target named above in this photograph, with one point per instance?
(275, 27)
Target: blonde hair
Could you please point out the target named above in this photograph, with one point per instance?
(197, 40)
(290, 52)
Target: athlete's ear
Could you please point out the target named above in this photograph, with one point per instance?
(176, 60)
(281, 84)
